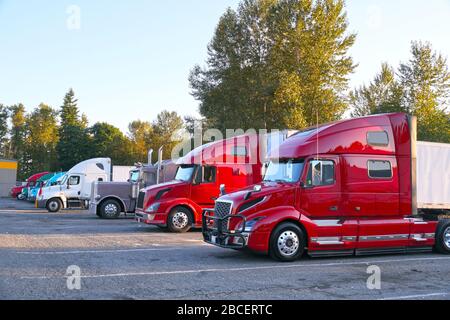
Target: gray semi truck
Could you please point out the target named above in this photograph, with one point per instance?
(110, 199)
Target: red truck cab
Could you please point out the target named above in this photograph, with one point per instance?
(178, 205)
(345, 188)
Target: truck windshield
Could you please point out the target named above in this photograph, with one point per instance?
(135, 176)
(288, 171)
(185, 173)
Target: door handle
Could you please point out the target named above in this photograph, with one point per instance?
(334, 208)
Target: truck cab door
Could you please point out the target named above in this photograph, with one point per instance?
(73, 186)
(321, 202)
(321, 193)
(204, 186)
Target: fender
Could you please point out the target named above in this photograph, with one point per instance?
(113, 198)
(60, 197)
(260, 236)
(168, 206)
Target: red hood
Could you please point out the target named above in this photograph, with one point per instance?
(178, 188)
(17, 189)
(274, 192)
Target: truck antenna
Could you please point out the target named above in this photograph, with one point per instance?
(317, 133)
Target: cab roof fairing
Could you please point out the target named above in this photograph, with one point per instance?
(340, 137)
(221, 152)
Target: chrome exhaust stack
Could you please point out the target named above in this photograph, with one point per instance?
(149, 155)
(158, 172)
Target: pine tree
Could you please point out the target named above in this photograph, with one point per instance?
(383, 95)
(73, 145)
(426, 81)
(4, 141)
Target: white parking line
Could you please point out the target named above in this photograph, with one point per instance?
(417, 296)
(93, 251)
(269, 267)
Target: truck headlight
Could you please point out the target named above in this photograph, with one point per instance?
(153, 208)
(250, 225)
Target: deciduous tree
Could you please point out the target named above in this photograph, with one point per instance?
(276, 64)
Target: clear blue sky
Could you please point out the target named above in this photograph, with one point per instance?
(131, 59)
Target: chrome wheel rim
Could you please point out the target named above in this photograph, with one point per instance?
(447, 238)
(288, 243)
(180, 220)
(53, 206)
(111, 209)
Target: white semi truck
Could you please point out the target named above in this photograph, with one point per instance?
(74, 190)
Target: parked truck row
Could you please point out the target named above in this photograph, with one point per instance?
(354, 187)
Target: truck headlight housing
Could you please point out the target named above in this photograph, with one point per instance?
(250, 225)
(154, 207)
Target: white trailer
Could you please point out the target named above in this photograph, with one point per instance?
(121, 173)
(433, 175)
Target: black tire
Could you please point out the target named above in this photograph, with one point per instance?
(54, 205)
(442, 237)
(110, 209)
(179, 220)
(294, 242)
(20, 197)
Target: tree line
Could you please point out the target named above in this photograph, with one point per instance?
(286, 64)
(46, 139)
(272, 64)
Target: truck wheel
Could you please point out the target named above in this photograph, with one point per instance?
(54, 205)
(179, 220)
(443, 237)
(110, 209)
(287, 242)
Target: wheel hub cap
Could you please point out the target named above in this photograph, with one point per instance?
(180, 220)
(53, 205)
(111, 209)
(288, 243)
(447, 237)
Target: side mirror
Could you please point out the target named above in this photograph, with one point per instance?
(305, 186)
(222, 190)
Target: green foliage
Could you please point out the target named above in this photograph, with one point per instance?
(108, 141)
(426, 82)
(40, 143)
(41, 140)
(276, 64)
(73, 145)
(163, 132)
(140, 133)
(4, 145)
(383, 95)
(422, 89)
(18, 133)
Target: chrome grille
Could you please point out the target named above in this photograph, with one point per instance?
(222, 209)
(141, 198)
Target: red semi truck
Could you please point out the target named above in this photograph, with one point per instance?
(346, 188)
(234, 162)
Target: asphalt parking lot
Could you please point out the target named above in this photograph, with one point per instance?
(123, 260)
